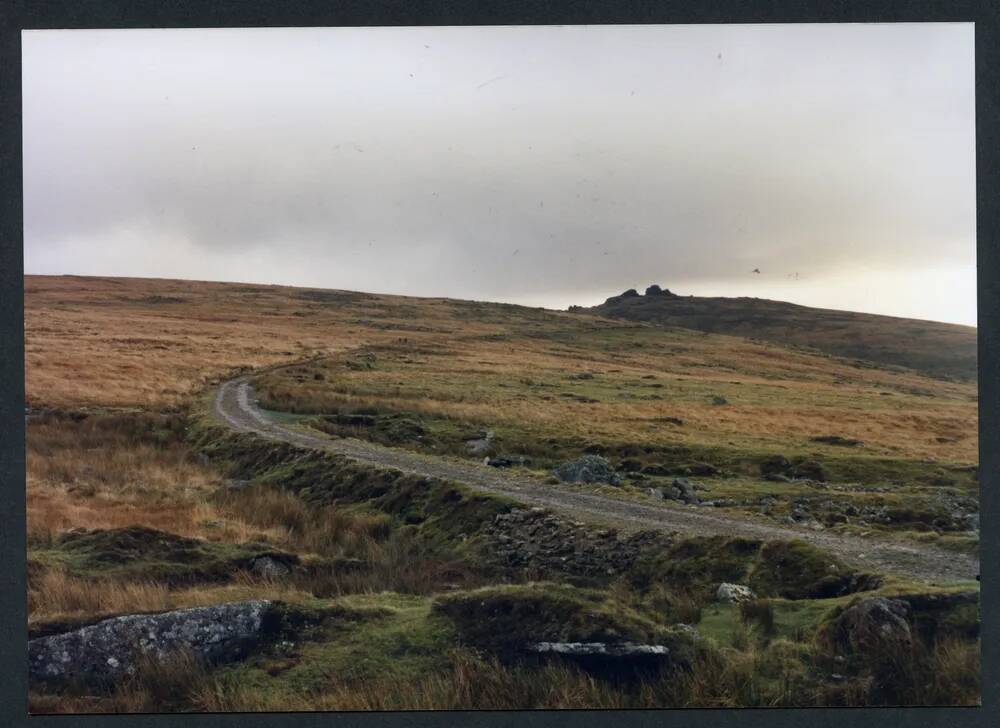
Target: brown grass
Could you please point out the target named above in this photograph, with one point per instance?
(55, 596)
(120, 343)
(155, 342)
(320, 530)
(151, 342)
(108, 472)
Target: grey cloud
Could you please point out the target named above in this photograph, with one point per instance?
(514, 163)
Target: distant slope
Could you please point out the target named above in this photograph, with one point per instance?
(940, 350)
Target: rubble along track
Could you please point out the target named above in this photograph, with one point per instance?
(234, 405)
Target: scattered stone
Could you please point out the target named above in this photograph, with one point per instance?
(506, 461)
(800, 512)
(111, 648)
(721, 502)
(688, 630)
(683, 490)
(581, 375)
(268, 567)
(480, 442)
(719, 400)
(734, 593)
(542, 542)
(588, 469)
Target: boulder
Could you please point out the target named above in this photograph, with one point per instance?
(269, 567)
(719, 400)
(874, 624)
(621, 661)
(111, 648)
(683, 489)
(654, 290)
(588, 469)
(623, 649)
(734, 593)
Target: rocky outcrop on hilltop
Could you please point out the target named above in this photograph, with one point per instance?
(652, 291)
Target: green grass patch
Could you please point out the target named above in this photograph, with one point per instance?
(140, 553)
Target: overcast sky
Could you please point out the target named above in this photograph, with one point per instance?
(537, 165)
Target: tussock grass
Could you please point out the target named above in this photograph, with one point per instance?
(759, 612)
(56, 595)
(171, 684)
(323, 530)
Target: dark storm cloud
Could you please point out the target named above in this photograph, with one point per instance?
(544, 165)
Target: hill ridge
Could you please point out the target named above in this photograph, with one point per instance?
(941, 350)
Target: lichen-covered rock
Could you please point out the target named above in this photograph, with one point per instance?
(874, 624)
(734, 593)
(588, 469)
(623, 649)
(620, 660)
(111, 648)
(269, 567)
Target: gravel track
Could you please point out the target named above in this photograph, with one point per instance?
(234, 405)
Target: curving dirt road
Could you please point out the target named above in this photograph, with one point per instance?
(234, 405)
